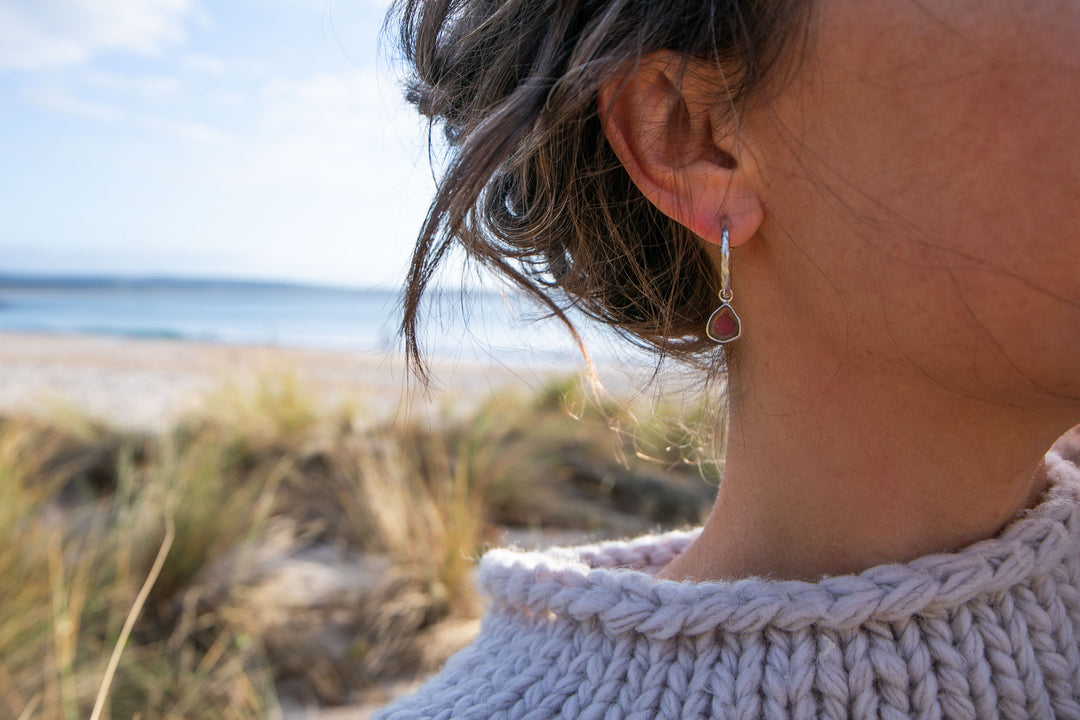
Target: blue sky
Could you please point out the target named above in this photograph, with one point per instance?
(237, 138)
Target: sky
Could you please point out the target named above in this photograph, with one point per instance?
(249, 139)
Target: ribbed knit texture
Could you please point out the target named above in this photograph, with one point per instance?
(990, 631)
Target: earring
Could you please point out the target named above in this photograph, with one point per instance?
(724, 324)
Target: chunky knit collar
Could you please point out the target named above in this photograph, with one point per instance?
(989, 631)
(613, 584)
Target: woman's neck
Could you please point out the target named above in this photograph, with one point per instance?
(864, 473)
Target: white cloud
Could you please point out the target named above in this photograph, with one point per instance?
(331, 129)
(142, 85)
(186, 130)
(59, 100)
(328, 181)
(56, 33)
(203, 63)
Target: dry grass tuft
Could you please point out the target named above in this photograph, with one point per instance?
(267, 548)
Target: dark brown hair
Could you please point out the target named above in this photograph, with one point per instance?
(531, 188)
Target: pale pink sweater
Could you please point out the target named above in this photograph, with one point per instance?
(589, 634)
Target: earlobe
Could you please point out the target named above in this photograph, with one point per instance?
(658, 118)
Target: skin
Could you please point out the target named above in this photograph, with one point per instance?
(905, 216)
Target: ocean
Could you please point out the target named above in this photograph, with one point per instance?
(474, 324)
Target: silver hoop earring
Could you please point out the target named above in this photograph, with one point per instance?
(724, 324)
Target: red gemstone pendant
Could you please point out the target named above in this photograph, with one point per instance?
(724, 325)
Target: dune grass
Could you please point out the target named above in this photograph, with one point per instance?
(148, 549)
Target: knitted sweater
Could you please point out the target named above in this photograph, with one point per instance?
(990, 631)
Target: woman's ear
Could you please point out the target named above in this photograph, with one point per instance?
(660, 119)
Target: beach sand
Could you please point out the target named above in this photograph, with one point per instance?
(148, 384)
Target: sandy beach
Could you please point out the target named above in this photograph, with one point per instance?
(149, 383)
